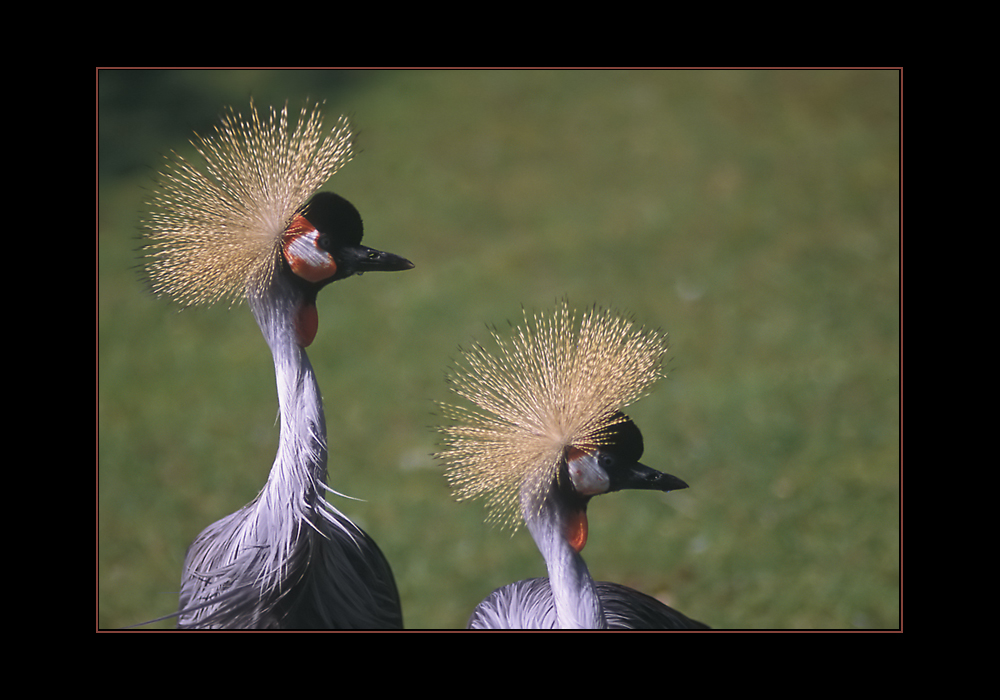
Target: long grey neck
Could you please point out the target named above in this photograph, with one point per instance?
(576, 601)
(300, 467)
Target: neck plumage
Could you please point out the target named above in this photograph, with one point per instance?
(573, 592)
(300, 467)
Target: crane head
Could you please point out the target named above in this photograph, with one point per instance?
(549, 391)
(222, 228)
(323, 243)
(612, 466)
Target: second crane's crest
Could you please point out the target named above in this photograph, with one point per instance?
(553, 384)
(216, 231)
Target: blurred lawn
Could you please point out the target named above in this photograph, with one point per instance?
(753, 215)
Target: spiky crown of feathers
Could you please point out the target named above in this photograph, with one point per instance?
(553, 384)
(216, 232)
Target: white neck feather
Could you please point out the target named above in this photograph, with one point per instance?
(300, 467)
(577, 603)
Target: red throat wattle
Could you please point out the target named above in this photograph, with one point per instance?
(576, 530)
(306, 324)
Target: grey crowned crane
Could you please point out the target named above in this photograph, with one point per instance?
(249, 224)
(546, 435)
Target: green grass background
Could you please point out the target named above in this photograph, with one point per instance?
(754, 215)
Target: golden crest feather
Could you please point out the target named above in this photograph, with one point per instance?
(551, 385)
(215, 231)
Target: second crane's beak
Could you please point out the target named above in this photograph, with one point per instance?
(639, 476)
(359, 259)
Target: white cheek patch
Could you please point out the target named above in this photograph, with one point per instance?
(304, 256)
(588, 478)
